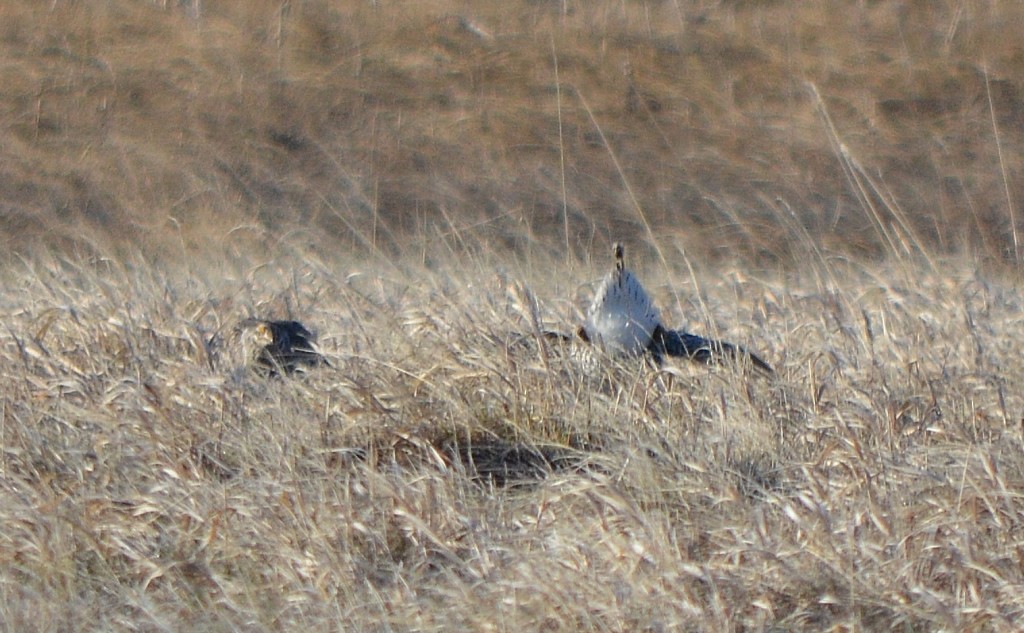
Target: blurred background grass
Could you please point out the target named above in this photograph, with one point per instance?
(746, 130)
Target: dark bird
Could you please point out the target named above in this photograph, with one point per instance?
(680, 344)
(282, 347)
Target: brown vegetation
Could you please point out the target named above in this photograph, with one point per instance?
(443, 474)
(728, 128)
(424, 185)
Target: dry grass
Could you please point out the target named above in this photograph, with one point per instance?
(425, 183)
(546, 126)
(874, 484)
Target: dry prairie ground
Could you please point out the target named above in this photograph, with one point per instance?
(833, 185)
(441, 475)
(555, 126)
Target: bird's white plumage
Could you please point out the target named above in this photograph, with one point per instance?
(622, 317)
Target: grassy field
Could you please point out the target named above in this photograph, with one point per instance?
(443, 475)
(734, 129)
(833, 185)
